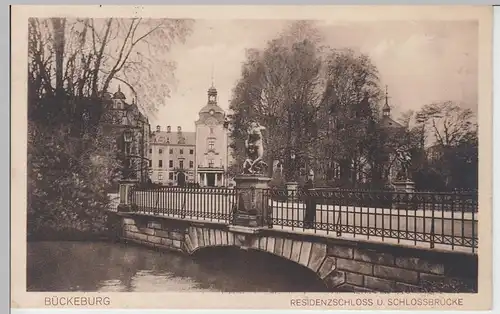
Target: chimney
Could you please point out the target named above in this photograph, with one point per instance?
(158, 128)
(179, 129)
(168, 128)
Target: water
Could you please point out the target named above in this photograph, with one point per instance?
(114, 267)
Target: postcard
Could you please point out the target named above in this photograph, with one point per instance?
(251, 157)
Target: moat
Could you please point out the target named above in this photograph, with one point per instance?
(121, 267)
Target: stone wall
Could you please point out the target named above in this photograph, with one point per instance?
(365, 266)
(343, 265)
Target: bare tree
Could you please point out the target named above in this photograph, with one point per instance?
(92, 53)
(449, 122)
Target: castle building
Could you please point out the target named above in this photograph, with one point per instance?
(130, 130)
(172, 156)
(357, 171)
(199, 157)
(395, 130)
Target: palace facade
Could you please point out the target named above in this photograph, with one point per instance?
(202, 157)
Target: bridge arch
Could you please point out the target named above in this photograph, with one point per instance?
(304, 253)
(262, 268)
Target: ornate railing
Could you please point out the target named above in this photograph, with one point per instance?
(447, 219)
(213, 204)
(435, 220)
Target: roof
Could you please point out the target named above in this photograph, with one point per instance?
(214, 107)
(172, 138)
(119, 94)
(388, 122)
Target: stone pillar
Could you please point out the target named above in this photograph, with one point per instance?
(251, 205)
(124, 192)
(223, 183)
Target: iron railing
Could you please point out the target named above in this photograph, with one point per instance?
(445, 220)
(212, 204)
(448, 219)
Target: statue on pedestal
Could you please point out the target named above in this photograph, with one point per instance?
(252, 208)
(254, 164)
(403, 156)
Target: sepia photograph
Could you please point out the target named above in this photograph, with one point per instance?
(235, 155)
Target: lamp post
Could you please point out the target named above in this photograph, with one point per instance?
(291, 184)
(226, 128)
(127, 139)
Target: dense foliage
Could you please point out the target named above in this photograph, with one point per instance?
(73, 158)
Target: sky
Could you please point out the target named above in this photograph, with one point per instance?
(420, 61)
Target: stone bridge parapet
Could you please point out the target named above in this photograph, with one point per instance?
(342, 264)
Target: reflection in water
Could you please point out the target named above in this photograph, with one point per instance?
(101, 266)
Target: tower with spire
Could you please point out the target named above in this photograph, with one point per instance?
(211, 142)
(386, 110)
(387, 121)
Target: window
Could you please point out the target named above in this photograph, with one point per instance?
(171, 163)
(160, 163)
(160, 176)
(211, 144)
(181, 151)
(191, 151)
(160, 151)
(211, 163)
(181, 164)
(150, 163)
(171, 176)
(171, 151)
(150, 150)
(191, 164)
(211, 130)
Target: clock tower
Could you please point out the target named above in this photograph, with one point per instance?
(211, 143)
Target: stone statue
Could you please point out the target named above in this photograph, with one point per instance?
(254, 150)
(403, 155)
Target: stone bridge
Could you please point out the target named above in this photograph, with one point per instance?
(342, 264)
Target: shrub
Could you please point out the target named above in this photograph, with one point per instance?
(68, 179)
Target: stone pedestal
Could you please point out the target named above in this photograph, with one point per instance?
(251, 206)
(407, 186)
(124, 192)
(292, 188)
(405, 189)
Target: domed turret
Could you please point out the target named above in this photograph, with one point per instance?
(211, 107)
(119, 94)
